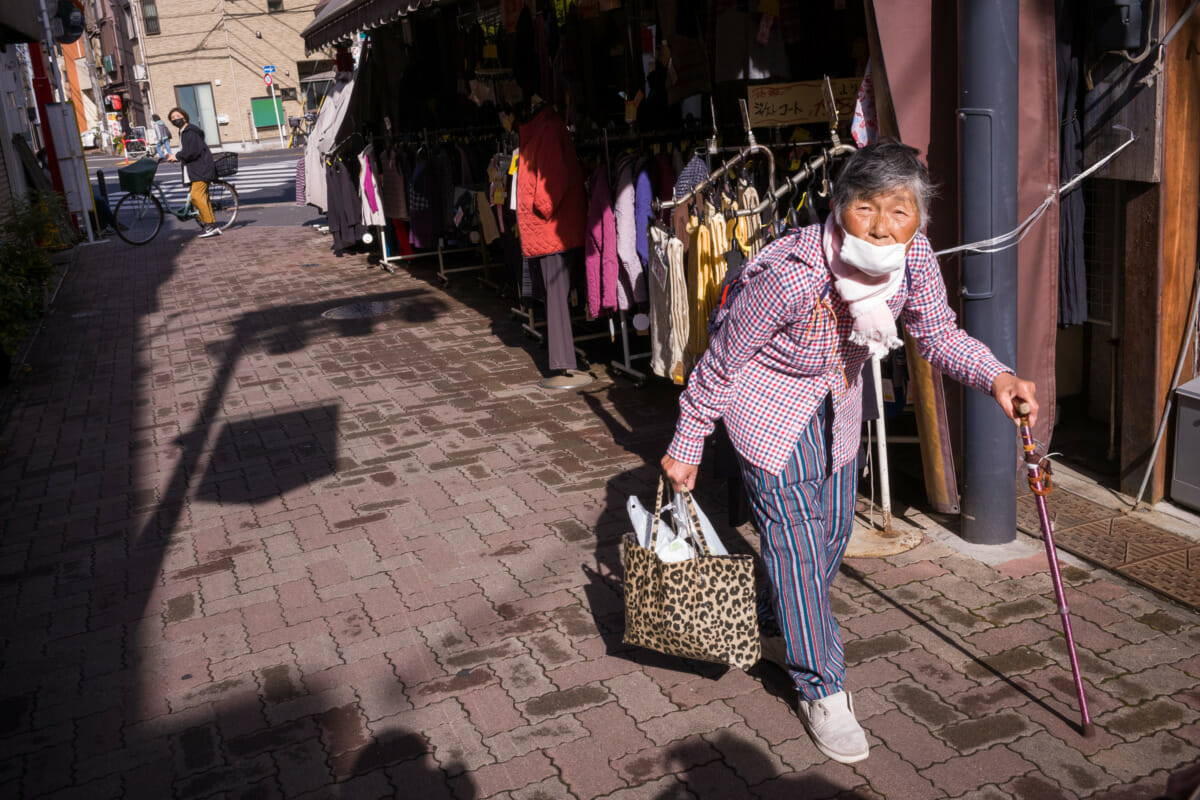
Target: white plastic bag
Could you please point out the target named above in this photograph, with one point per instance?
(675, 534)
(683, 524)
(669, 547)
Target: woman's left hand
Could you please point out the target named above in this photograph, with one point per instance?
(1008, 390)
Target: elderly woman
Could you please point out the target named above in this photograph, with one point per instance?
(783, 371)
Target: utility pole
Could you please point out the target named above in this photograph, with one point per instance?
(987, 118)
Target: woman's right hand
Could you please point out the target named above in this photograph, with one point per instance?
(681, 475)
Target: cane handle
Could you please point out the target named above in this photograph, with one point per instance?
(1023, 409)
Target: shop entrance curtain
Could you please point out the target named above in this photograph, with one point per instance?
(918, 40)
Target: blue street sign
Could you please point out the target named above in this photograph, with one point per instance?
(269, 69)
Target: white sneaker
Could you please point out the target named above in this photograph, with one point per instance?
(834, 730)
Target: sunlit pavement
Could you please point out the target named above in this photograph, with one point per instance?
(250, 550)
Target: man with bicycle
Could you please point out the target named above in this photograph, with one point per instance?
(198, 167)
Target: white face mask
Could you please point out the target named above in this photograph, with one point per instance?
(875, 260)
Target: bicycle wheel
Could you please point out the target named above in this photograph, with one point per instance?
(139, 218)
(224, 200)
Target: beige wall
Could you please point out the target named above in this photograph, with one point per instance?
(199, 45)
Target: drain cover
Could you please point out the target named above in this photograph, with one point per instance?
(377, 308)
(1158, 559)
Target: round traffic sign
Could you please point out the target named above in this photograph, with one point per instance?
(267, 79)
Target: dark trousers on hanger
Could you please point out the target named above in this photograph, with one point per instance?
(556, 274)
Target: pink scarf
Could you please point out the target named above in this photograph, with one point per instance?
(874, 326)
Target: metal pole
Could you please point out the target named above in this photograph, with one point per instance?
(988, 132)
(274, 105)
(885, 485)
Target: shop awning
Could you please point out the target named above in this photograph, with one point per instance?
(342, 19)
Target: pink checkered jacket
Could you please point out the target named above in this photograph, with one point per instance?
(783, 347)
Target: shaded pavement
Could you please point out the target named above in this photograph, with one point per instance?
(251, 551)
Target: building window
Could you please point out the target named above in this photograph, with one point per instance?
(274, 5)
(150, 17)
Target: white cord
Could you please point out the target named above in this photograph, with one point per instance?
(1013, 237)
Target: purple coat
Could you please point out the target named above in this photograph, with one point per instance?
(643, 213)
(600, 247)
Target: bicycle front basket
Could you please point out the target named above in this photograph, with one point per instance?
(226, 164)
(138, 176)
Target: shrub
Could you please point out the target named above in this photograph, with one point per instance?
(26, 268)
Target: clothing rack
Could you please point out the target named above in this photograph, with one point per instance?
(441, 251)
(470, 133)
(792, 182)
(715, 175)
(339, 145)
(530, 325)
(626, 364)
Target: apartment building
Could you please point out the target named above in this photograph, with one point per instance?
(114, 28)
(210, 57)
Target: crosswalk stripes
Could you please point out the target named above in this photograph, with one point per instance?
(276, 177)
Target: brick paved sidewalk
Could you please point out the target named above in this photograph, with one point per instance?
(252, 552)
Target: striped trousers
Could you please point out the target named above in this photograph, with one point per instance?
(805, 516)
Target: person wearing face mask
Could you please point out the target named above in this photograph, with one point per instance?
(783, 370)
(197, 160)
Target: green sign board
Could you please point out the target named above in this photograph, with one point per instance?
(264, 112)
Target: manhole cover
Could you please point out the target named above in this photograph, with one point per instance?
(376, 308)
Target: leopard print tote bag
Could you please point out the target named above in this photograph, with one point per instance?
(702, 608)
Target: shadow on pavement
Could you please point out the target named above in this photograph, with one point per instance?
(92, 689)
(408, 759)
(928, 625)
(255, 459)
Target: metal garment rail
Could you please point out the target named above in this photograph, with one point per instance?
(743, 154)
(440, 251)
(792, 182)
(388, 258)
(531, 325)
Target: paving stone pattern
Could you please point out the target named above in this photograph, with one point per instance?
(1160, 560)
(253, 552)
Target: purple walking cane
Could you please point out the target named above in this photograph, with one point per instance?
(1040, 485)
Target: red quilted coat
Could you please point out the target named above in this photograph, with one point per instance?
(551, 205)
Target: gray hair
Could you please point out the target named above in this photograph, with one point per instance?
(882, 168)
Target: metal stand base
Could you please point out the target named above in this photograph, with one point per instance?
(868, 541)
(568, 380)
